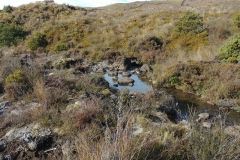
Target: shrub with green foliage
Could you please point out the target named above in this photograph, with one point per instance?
(190, 22)
(60, 47)
(36, 41)
(15, 77)
(7, 9)
(236, 21)
(230, 51)
(10, 34)
(189, 33)
(16, 85)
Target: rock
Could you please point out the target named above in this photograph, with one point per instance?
(114, 79)
(66, 150)
(123, 96)
(125, 80)
(202, 116)
(122, 63)
(232, 131)
(3, 145)
(100, 81)
(230, 103)
(63, 63)
(74, 106)
(39, 136)
(113, 73)
(207, 124)
(165, 102)
(146, 68)
(211, 103)
(137, 70)
(27, 137)
(134, 94)
(32, 145)
(126, 74)
(100, 70)
(115, 85)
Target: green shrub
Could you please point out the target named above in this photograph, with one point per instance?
(36, 41)
(7, 9)
(173, 81)
(236, 21)
(60, 47)
(15, 77)
(10, 34)
(231, 49)
(190, 22)
(16, 85)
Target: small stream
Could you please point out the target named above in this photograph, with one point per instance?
(186, 102)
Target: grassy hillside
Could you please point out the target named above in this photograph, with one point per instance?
(47, 51)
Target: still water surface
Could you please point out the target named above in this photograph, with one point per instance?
(186, 102)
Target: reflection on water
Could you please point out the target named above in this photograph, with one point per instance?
(138, 86)
(186, 102)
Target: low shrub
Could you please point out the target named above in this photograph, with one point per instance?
(10, 34)
(190, 22)
(230, 51)
(16, 85)
(36, 41)
(236, 21)
(60, 47)
(7, 9)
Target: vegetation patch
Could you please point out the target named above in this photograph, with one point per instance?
(11, 34)
(37, 40)
(230, 51)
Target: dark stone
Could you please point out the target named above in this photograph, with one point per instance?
(100, 81)
(146, 68)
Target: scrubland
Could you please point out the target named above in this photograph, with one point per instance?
(191, 46)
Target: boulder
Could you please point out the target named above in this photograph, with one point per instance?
(232, 131)
(146, 68)
(100, 81)
(63, 63)
(202, 117)
(115, 85)
(113, 73)
(125, 80)
(123, 96)
(126, 74)
(114, 79)
(122, 64)
(230, 103)
(33, 135)
(32, 145)
(207, 125)
(2, 145)
(165, 102)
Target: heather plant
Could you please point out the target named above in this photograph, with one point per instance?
(230, 51)
(10, 34)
